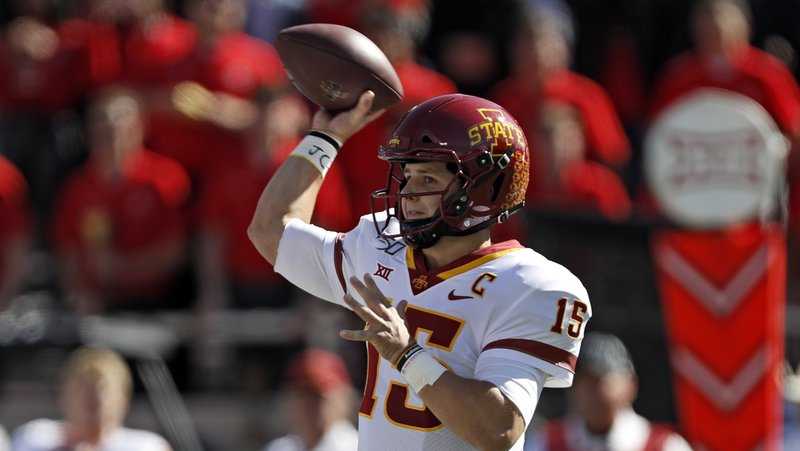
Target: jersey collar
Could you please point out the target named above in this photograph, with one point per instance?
(421, 278)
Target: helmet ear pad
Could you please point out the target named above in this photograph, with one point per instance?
(456, 203)
(477, 198)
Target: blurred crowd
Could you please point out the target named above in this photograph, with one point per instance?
(136, 135)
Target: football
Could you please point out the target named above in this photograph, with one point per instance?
(333, 65)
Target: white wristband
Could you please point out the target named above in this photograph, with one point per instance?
(422, 369)
(318, 149)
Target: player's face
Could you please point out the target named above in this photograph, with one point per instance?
(422, 178)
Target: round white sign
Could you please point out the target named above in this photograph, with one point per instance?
(715, 158)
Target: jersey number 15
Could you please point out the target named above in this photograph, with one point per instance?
(575, 319)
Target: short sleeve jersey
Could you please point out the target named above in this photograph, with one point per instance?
(504, 314)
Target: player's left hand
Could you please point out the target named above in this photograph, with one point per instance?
(385, 326)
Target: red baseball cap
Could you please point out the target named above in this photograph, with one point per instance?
(318, 371)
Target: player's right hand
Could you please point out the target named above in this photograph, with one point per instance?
(346, 123)
(385, 327)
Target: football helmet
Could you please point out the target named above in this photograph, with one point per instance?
(481, 143)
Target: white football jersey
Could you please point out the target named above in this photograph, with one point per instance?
(504, 314)
(48, 435)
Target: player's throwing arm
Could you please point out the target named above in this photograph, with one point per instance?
(292, 191)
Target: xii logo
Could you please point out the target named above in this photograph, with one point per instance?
(383, 272)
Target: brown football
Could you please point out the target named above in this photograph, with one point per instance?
(332, 65)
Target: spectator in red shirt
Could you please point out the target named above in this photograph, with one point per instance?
(119, 224)
(226, 60)
(38, 64)
(51, 66)
(540, 73)
(196, 77)
(211, 107)
(232, 272)
(564, 179)
(229, 265)
(139, 43)
(723, 58)
(41, 83)
(14, 231)
(154, 43)
(395, 30)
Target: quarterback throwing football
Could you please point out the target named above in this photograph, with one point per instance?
(462, 333)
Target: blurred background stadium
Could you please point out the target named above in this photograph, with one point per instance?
(136, 136)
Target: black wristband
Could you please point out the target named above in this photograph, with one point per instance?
(407, 354)
(328, 138)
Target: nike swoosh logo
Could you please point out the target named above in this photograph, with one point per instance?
(454, 297)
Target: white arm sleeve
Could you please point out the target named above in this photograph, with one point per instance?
(313, 259)
(519, 381)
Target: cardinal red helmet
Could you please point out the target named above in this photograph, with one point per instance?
(480, 142)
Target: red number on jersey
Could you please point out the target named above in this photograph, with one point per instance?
(576, 318)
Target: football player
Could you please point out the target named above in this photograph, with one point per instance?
(462, 333)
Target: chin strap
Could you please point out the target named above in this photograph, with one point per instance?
(428, 237)
(422, 239)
